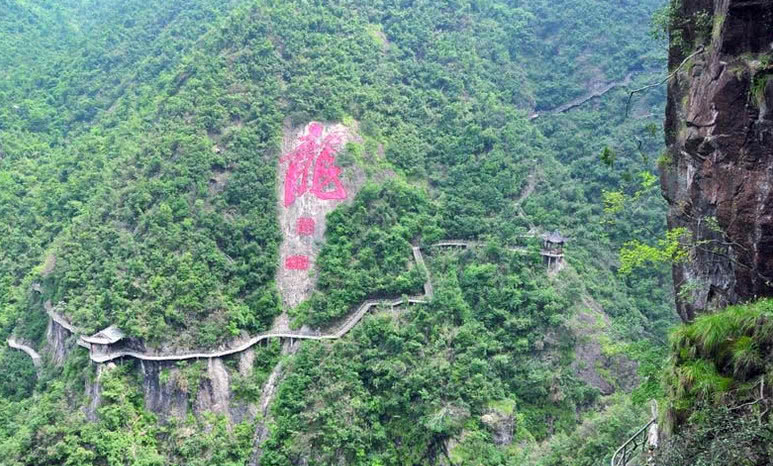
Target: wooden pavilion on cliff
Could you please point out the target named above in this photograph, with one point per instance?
(553, 249)
(100, 342)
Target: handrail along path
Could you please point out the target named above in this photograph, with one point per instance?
(625, 452)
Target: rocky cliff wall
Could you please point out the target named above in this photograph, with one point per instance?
(58, 342)
(171, 390)
(717, 175)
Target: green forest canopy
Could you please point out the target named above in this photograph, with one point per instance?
(108, 118)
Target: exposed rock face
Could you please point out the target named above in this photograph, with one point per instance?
(58, 344)
(311, 184)
(94, 391)
(604, 370)
(718, 179)
(169, 393)
(501, 425)
(215, 389)
(266, 398)
(162, 395)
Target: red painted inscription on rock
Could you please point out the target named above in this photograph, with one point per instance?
(297, 263)
(305, 226)
(319, 152)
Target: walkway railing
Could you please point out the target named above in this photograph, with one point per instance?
(626, 452)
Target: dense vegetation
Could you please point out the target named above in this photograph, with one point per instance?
(718, 384)
(138, 147)
(396, 379)
(46, 430)
(373, 238)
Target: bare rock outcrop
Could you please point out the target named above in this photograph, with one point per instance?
(171, 390)
(214, 391)
(94, 391)
(266, 398)
(58, 342)
(718, 173)
(311, 184)
(163, 395)
(501, 425)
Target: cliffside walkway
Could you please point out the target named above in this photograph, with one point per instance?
(15, 343)
(636, 443)
(464, 244)
(585, 98)
(419, 259)
(643, 443)
(103, 353)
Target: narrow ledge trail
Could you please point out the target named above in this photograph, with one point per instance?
(98, 355)
(15, 343)
(572, 104)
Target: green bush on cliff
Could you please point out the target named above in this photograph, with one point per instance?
(720, 357)
(719, 436)
(718, 388)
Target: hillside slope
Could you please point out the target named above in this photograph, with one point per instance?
(143, 166)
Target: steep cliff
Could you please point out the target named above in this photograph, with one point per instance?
(718, 172)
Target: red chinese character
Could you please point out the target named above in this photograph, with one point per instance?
(300, 162)
(325, 171)
(305, 226)
(297, 263)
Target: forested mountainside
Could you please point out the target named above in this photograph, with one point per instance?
(146, 166)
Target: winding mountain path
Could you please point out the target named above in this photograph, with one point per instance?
(428, 291)
(100, 356)
(58, 318)
(583, 99)
(15, 343)
(104, 353)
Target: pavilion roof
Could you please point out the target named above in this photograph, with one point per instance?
(555, 237)
(107, 336)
